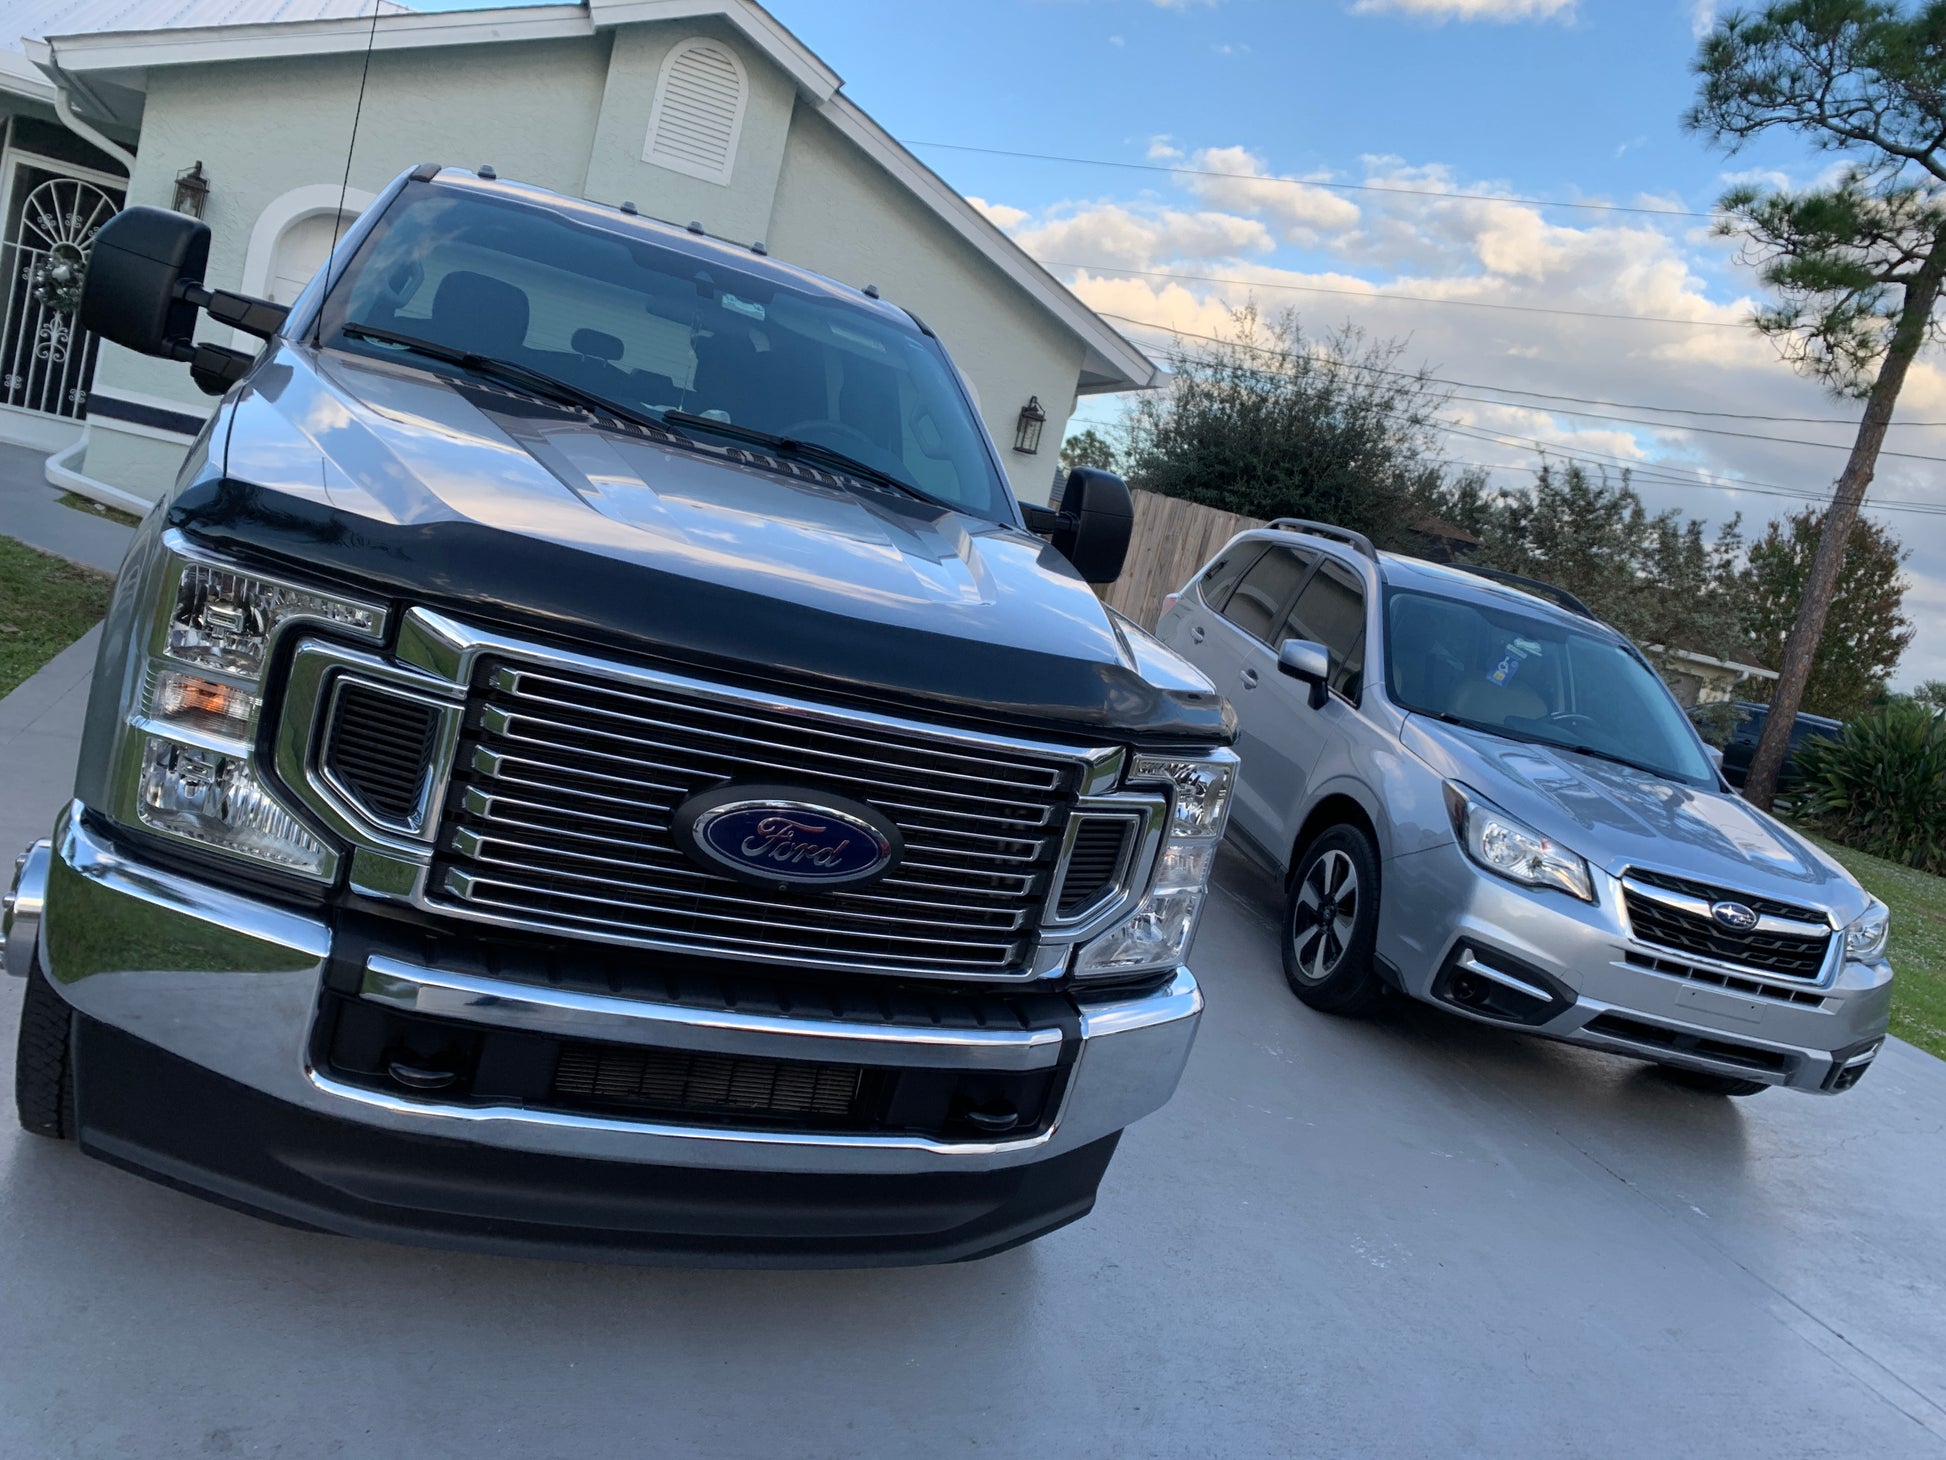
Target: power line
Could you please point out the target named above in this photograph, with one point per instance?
(1342, 187)
(1584, 415)
(1725, 324)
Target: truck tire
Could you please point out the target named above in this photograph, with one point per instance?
(43, 1077)
(1705, 1083)
(1331, 925)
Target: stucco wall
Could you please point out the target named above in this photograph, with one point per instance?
(838, 213)
(616, 170)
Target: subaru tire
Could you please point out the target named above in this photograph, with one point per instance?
(1331, 925)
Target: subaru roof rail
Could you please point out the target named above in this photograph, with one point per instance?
(1559, 596)
(1325, 529)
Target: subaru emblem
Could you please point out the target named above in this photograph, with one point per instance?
(1734, 915)
(780, 836)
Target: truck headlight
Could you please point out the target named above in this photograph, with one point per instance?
(1866, 934)
(189, 747)
(1513, 849)
(1157, 935)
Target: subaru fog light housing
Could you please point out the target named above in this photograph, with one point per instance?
(1866, 934)
(1513, 849)
(217, 799)
(1156, 936)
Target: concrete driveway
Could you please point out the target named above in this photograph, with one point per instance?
(1412, 1237)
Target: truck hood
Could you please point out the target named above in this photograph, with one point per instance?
(1618, 817)
(499, 507)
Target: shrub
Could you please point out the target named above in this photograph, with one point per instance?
(1881, 786)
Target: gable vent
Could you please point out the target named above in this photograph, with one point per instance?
(698, 111)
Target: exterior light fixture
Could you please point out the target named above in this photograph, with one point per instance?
(192, 191)
(1027, 434)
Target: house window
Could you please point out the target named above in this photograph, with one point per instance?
(698, 113)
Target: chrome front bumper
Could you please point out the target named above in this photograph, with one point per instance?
(231, 983)
(1452, 912)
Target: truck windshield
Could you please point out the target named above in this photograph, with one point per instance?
(1535, 679)
(608, 308)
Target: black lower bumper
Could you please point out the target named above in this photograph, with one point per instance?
(161, 1116)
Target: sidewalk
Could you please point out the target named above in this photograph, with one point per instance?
(31, 512)
(40, 734)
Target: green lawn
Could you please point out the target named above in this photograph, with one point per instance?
(46, 603)
(1918, 903)
(97, 509)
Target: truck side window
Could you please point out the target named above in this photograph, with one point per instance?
(1331, 611)
(1221, 576)
(1265, 588)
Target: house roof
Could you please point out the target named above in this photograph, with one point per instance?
(105, 75)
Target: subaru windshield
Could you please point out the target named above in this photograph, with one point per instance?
(1536, 679)
(602, 307)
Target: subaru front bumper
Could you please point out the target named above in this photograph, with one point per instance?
(1540, 960)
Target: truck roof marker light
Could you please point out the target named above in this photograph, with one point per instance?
(695, 227)
(760, 248)
(487, 172)
(871, 291)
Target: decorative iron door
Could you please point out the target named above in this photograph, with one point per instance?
(46, 360)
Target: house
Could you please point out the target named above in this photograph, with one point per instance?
(705, 110)
(1696, 678)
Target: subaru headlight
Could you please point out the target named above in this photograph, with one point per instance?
(190, 766)
(1513, 849)
(1157, 935)
(1866, 934)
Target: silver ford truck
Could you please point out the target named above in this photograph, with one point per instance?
(591, 758)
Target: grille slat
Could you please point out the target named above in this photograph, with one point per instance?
(682, 1082)
(567, 784)
(1778, 954)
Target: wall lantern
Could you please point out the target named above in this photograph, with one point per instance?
(192, 191)
(1027, 434)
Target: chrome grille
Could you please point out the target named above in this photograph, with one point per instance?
(565, 785)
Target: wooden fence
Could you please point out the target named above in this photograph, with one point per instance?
(1172, 539)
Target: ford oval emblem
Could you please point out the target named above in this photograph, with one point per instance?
(1734, 915)
(781, 836)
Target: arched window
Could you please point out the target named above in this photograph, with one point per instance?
(698, 111)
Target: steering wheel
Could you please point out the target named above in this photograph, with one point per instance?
(836, 435)
(1570, 721)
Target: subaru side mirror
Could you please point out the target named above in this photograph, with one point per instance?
(145, 285)
(1308, 661)
(1097, 520)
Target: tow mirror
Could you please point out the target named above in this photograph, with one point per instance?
(145, 284)
(1093, 527)
(1305, 660)
(1715, 753)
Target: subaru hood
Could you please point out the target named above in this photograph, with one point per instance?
(503, 508)
(1619, 817)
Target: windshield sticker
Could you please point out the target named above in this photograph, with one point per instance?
(741, 306)
(1509, 664)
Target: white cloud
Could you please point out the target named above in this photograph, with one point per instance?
(1115, 40)
(1702, 17)
(1444, 10)
(1563, 273)
(999, 214)
(1183, 4)
(1163, 148)
(1130, 237)
(1300, 210)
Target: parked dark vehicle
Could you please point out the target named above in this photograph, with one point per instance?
(1749, 728)
(590, 759)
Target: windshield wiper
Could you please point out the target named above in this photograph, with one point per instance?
(534, 382)
(796, 446)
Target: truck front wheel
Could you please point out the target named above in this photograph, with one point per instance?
(43, 1076)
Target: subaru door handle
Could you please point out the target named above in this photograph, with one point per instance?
(1249, 679)
(1198, 634)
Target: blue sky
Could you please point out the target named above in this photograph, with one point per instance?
(1234, 110)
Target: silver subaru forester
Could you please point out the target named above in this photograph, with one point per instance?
(1481, 796)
